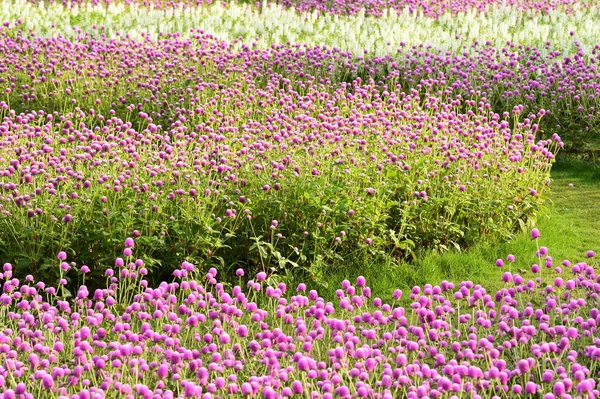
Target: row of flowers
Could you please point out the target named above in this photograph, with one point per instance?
(275, 24)
(196, 338)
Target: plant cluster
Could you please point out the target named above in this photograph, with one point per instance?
(269, 24)
(217, 156)
(193, 338)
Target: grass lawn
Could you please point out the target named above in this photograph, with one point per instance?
(570, 228)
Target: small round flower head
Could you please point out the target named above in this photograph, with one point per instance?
(530, 388)
(590, 254)
(246, 389)
(360, 281)
(499, 262)
(297, 387)
(129, 242)
(261, 276)
(369, 241)
(62, 255)
(239, 272)
(269, 393)
(535, 233)
(559, 388)
(510, 258)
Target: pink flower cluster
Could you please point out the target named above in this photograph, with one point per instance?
(194, 338)
(170, 137)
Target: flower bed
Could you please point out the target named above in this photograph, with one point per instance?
(191, 146)
(193, 337)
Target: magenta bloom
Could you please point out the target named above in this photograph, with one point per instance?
(530, 388)
(246, 389)
(261, 276)
(297, 387)
(535, 233)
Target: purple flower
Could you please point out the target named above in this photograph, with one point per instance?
(48, 381)
(246, 389)
(269, 393)
(162, 371)
(360, 281)
(535, 233)
(297, 387)
(530, 388)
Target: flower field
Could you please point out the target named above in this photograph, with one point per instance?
(178, 181)
(194, 338)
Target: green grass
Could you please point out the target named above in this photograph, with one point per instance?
(570, 228)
